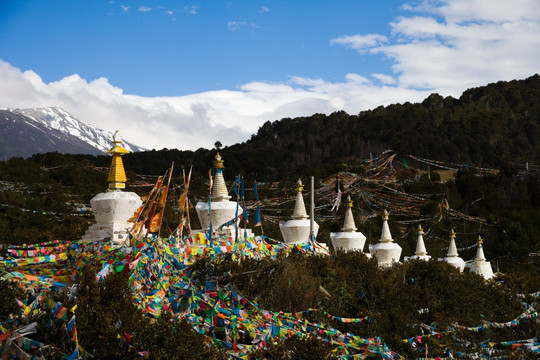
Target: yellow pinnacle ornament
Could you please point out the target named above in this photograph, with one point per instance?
(117, 176)
(218, 163)
(299, 186)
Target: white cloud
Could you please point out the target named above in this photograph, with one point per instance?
(125, 8)
(360, 42)
(197, 120)
(264, 9)
(191, 10)
(235, 25)
(144, 9)
(384, 79)
(482, 10)
(450, 45)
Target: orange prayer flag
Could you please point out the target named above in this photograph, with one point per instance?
(163, 197)
(155, 223)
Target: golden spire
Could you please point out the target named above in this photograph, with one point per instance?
(452, 234)
(385, 215)
(218, 163)
(420, 230)
(299, 186)
(117, 176)
(480, 240)
(349, 201)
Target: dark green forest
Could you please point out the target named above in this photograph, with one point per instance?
(488, 126)
(497, 127)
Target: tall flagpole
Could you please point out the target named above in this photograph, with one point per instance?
(312, 213)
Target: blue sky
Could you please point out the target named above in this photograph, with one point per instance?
(160, 48)
(203, 71)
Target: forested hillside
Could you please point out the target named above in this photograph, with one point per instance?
(487, 126)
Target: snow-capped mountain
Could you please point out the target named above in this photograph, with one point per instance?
(39, 130)
(59, 119)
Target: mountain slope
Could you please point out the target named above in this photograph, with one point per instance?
(40, 130)
(490, 126)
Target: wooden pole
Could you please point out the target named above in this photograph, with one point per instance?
(312, 212)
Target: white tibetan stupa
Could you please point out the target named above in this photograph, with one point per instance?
(221, 210)
(480, 265)
(348, 238)
(420, 252)
(386, 251)
(114, 207)
(452, 256)
(296, 230)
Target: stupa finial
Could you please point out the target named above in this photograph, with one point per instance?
(299, 185)
(480, 240)
(117, 138)
(218, 162)
(452, 234)
(349, 201)
(117, 176)
(420, 230)
(385, 215)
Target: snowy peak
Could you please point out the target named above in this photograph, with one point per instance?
(58, 119)
(26, 132)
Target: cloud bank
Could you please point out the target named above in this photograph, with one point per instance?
(451, 45)
(438, 46)
(198, 120)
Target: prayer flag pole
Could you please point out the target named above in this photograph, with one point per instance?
(312, 214)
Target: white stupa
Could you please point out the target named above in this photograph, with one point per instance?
(348, 238)
(386, 250)
(420, 252)
(480, 265)
(221, 210)
(296, 230)
(452, 256)
(114, 207)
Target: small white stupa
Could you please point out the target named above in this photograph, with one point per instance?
(221, 210)
(452, 256)
(114, 207)
(480, 265)
(296, 230)
(386, 251)
(348, 238)
(421, 252)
